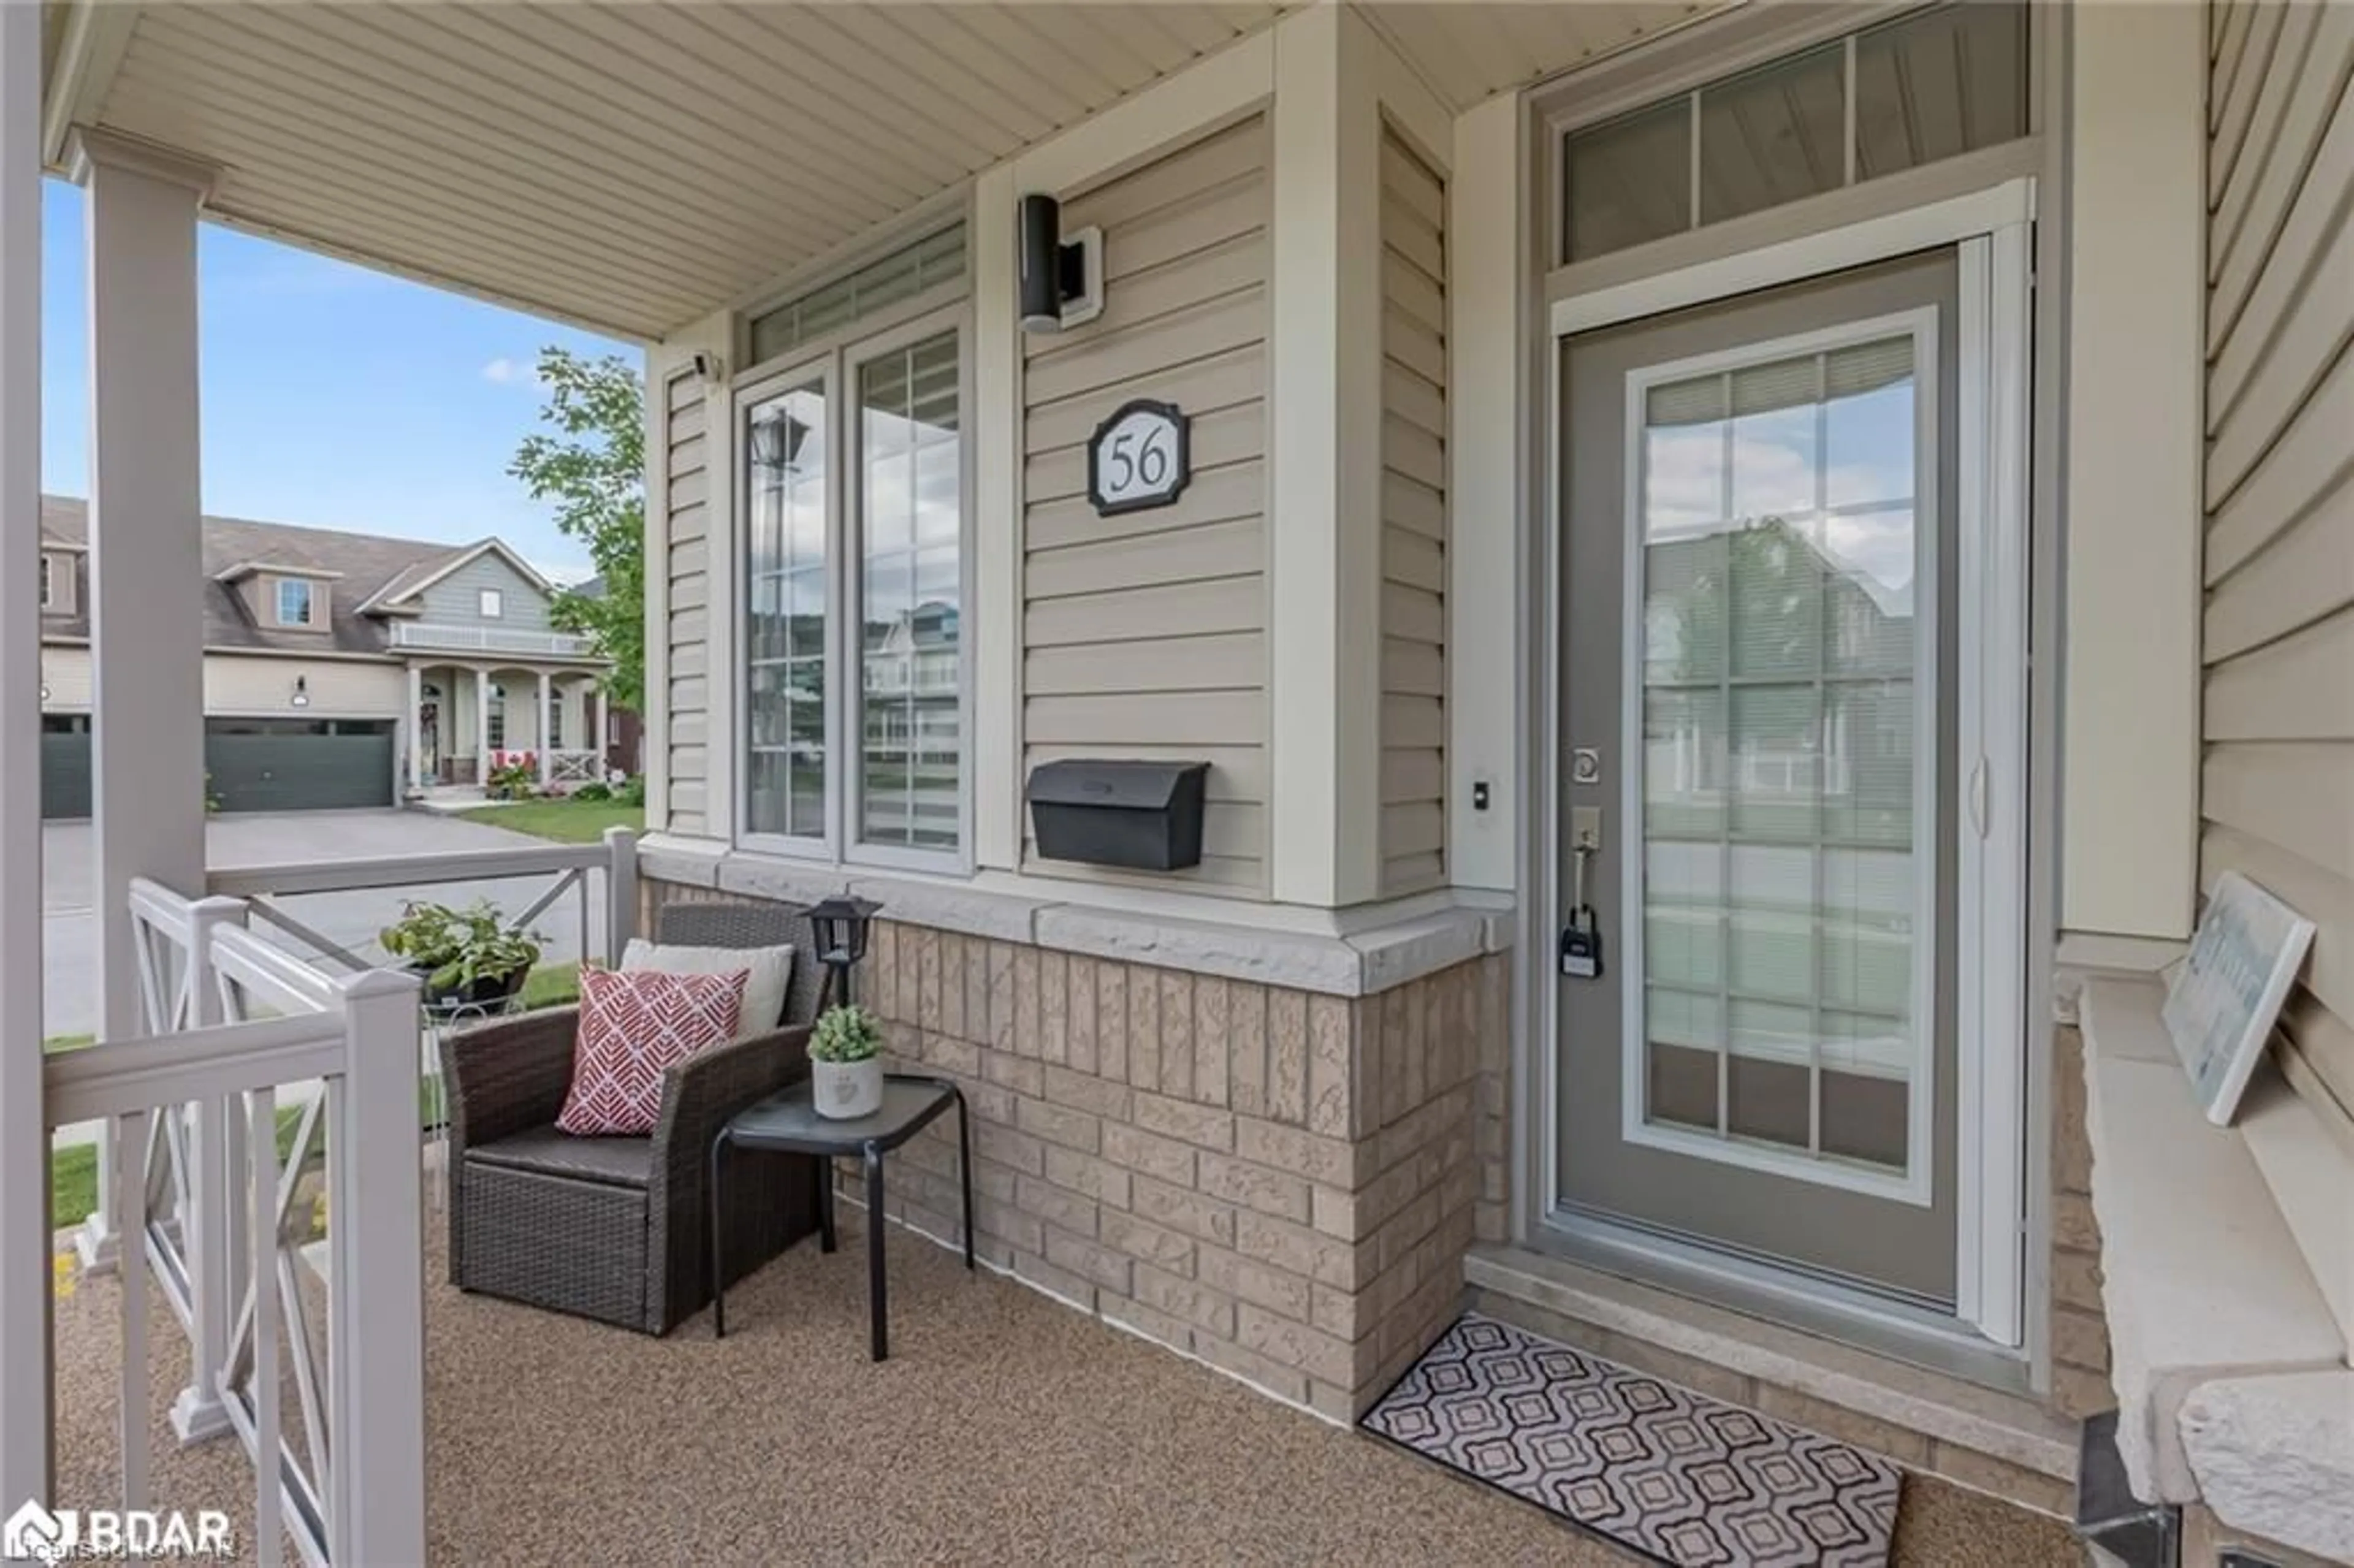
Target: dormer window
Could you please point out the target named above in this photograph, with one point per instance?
(489, 604)
(297, 602)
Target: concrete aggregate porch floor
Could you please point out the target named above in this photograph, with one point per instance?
(1006, 1428)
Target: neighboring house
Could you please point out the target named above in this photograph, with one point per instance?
(625, 730)
(340, 669)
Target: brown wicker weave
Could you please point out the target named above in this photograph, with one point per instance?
(615, 1228)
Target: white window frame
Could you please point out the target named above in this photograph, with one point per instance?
(1914, 1185)
(833, 362)
(310, 601)
(489, 604)
(1992, 228)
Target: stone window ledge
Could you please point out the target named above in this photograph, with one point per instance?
(1343, 952)
(2212, 1302)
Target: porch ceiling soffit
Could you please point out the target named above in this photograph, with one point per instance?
(630, 168)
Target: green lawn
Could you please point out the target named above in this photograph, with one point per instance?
(567, 822)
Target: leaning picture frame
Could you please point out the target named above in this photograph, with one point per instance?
(2221, 1003)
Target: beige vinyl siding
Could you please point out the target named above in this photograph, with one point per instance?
(1414, 520)
(2277, 783)
(694, 496)
(1144, 635)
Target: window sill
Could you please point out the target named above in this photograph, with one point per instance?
(1352, 952)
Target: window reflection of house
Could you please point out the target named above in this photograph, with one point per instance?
(912, 685)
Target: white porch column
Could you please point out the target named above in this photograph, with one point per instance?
(415, 729)
(147, 788)
(23, 1130)
(598, 729)
(540, 740)
(481, 726)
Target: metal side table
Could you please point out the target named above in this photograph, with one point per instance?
(787, 1122)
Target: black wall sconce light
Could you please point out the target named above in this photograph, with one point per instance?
(1062, 279)
(302, 698)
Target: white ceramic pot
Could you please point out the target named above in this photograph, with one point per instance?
(847, 1090)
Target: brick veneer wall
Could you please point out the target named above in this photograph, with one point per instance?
(2080, 1329)
(1280, 1182)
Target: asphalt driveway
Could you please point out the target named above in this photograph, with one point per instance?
(69, 936)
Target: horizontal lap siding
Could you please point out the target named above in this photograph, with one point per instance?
(694, 496)
(2277, 785)
(1413, 523)
(1144, 635)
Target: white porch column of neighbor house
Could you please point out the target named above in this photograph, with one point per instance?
(24, 1134)
(596, 728)
(539, 738)
(146, 635)
(481, 726)
(413, 728)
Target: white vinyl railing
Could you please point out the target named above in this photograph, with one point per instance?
(491, 640)
(198, 1183)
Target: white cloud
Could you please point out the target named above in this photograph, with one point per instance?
(505, 372)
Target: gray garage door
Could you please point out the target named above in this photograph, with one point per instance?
(65, 767)
(322, 766)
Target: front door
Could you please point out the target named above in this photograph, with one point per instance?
(1756, 638)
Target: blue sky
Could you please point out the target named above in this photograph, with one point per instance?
(332, 396)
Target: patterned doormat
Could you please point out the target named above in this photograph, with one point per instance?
(1674, 1475)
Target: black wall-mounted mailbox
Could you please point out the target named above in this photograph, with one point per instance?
(1146, 816)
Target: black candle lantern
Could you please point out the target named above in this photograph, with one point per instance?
(840, 926)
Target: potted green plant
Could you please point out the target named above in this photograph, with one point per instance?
(845, 1054)
(469, 958)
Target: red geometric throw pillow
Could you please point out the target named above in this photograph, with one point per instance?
(633, 1028)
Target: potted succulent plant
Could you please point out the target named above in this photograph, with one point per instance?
(846, 1064)
(468, 957)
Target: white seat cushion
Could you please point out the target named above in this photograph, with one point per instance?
(769, 972)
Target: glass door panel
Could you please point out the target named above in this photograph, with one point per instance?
(786, 507)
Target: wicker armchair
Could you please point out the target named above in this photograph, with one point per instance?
(615, 1228)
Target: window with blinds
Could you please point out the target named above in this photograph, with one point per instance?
(1927, 86)
(903, 274)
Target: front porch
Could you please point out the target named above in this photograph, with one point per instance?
(1005, 1428)
(468, 718)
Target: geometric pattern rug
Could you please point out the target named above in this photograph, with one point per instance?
(1674, 1474)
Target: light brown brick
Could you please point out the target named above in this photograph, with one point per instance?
(1143, 1027)
(1064, 1210)
(1086, 1175)
(1247, 1280)
(2079, 1392)
(1021, 1075)
(1023, 1232)
(993, 1140)
(1176, 1033)
(1272, 1376)
(1206, 1218)
(1204, 1125)
(1256, 1187)
(1211, 1040)
(1304, 1154)
(1333, 1312)
(1838, 1421)
(990, 1102)
(1194, 1302)
(1148, 1243)
(1088, 1259)
(1329, 1052)
(1085, 1091)
(1299, 1250)
(1082, 1029)
(2080, 1338)
(1318, 1354)
(2072, 1224)
(1149, 1321)
(928, 979)
(1060, 1124)
(1054, 1006)
(1075, 1288)
(947, 1053)
(1149, 1154)
(2076, 1280)
(1399, 1038)
(1029, 1031)
(1247, 1046)
(997, 985)
(1112, 1020)
(1286, 1056)
(952, 997)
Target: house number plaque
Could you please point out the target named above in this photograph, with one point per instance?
(1139, 458)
